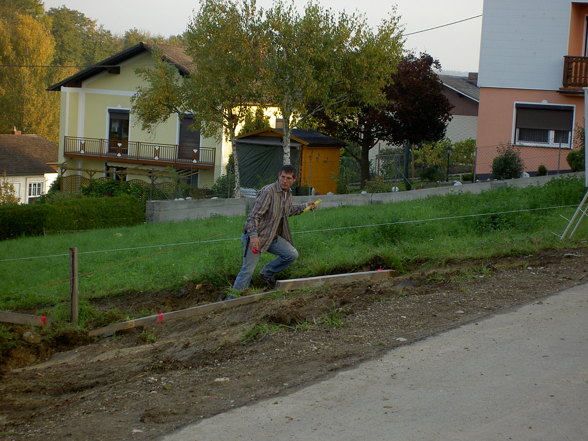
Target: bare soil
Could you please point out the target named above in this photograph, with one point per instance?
(145, 383)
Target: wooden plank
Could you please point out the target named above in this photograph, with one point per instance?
(281, 285)
(182, 313)
(24, 319)
(286, 285)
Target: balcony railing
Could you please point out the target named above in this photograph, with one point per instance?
(140, 152)
(575, 74)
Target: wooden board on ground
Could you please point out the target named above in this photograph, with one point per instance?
(188, 312)
(23, 319)
(287, 285)
(281, 285)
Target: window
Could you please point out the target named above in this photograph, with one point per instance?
(544, 125)
(35, 189)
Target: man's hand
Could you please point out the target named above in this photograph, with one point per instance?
(254, 244)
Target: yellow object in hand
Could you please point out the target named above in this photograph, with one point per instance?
(318, 201)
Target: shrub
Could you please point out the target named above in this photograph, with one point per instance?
(541, 170)
(79, 214)
(508, 164)
(576, 159)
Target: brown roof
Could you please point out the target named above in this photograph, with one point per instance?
(26, 155)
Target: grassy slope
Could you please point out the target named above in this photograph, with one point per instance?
(152, 257)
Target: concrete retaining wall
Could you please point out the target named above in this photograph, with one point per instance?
(175, 211)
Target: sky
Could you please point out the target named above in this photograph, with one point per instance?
(457, 46)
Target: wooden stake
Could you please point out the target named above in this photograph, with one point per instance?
(74, 295)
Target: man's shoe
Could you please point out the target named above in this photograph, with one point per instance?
(268, 280)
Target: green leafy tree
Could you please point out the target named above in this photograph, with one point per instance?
(318, 62)
(24, 7)
(414, 111)
(225, 38)
(25, 46)
(254, 120)
(79, 40)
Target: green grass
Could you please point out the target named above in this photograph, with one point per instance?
(153, 257)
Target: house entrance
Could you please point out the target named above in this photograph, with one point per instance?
(189, 142)
(118, 132)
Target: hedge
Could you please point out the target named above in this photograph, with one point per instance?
(74, 215)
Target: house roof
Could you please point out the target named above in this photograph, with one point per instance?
(310, 138)
(26, 155)
(171, 53)
(462, 85)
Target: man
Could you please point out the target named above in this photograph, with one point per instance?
(267, 229)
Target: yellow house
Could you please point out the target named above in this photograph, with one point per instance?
(101, 137)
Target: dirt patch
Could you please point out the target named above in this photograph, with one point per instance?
(147, 382)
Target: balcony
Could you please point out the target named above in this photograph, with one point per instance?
(575, 74)
(135, 152)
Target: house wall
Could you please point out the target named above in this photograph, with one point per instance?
(521, 60)
(523, 43)
(462, 127)
(21, 185)
(496, 122)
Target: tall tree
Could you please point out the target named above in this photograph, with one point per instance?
(79, 40)
(26, 48)
(24, 7)
(318, 61)
(225, 40)
(415, 110)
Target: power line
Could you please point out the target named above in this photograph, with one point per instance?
(444, 25)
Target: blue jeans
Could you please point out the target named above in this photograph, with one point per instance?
(285, 252)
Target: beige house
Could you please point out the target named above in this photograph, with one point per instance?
(101, 137)
(29, 164)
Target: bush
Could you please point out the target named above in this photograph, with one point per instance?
(576, 159)
(541, 170)
(79, 214)
(508, 164)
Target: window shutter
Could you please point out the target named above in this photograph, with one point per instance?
(535, 116)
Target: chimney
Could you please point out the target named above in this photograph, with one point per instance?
(473, 77)
(16, 132)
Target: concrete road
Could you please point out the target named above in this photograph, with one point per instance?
(521, 375)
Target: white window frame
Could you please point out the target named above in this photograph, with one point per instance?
(551, 132)
(35, 189)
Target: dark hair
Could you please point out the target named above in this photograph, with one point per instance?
(288, 169)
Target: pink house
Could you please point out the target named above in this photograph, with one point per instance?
(533, 68)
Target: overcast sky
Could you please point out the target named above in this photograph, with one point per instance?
(456, 46)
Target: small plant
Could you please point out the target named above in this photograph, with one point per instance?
(576, 159)
(541, 170)
(508, 164)
(333, 318)
(148, 336)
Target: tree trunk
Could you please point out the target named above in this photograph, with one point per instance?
(286, 139)
(236, 159)
(364, 163)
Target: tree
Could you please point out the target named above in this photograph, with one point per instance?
(317, 62)
(26, 46)
(7, 192)
(414, 110)
(225, 38)
(79, 40)
(23, 7)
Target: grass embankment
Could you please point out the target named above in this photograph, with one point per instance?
(153, 257)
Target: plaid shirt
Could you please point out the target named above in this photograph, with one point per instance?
(272, 207)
